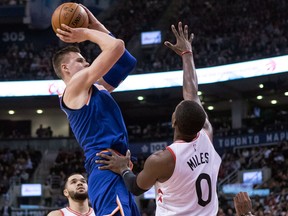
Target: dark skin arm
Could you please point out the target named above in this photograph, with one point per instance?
(153, 168)
(190, 80)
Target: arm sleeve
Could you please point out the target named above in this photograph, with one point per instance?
(130, 181)
(125, 65)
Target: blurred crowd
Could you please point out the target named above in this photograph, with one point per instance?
(225, 32)
(26, 62)
(228, 32)
(273, 157)
(17, 166)
(13, 2)
(66, 163)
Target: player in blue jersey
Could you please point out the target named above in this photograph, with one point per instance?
(94, 116)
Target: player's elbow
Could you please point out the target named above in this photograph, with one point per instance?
(119, 46)
(127, 62)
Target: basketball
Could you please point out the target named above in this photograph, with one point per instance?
(71, 14)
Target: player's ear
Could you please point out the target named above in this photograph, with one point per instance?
(64, 67)
(174, 124)
(65, 192)
(64, 70)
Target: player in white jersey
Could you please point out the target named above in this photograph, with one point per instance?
(185, 173)
(76, 191)
(191, 190)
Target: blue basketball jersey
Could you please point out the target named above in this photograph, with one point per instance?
(99, 125)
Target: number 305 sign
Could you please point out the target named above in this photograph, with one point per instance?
(13, 36)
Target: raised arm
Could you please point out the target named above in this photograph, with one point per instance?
(123, 67)
(80, 75)
(94, 23)
(183, 48)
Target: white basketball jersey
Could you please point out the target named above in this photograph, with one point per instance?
(192, 188)
(69, 212)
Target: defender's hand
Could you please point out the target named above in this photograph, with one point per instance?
(183, 40)
(114, 162)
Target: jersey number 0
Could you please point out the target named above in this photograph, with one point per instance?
(203, 177)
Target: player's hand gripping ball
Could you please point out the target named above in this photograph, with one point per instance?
(71, 14)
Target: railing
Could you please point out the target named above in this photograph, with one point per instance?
(230, 179)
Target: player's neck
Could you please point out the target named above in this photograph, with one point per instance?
(185, 138)
(80, 206)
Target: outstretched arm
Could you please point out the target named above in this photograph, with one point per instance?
(120, 164)
(152, 171)
(94, 23)
(183, 48)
